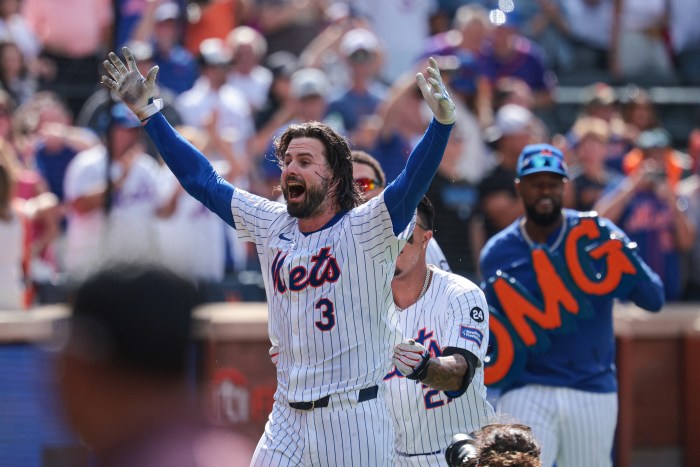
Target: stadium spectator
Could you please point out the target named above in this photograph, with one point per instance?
(14, 28)
(290, 24)
(206, 19)
(211, 93)
(498, 200)
(590, 23)
(160, 26)
(638, 112)
(685, 39)
(111, 194)
(15, 76)
(648, 209)
(73, 38)
(278, 101)
(248, 49)
(590, 177)
(123, 374)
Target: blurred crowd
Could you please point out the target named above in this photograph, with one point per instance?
(80, 183)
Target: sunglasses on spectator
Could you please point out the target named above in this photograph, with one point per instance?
(367, 184)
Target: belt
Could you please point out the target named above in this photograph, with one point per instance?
(402, 454)
(365, 394)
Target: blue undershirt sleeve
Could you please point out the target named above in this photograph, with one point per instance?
(192, 169)
(403, 194)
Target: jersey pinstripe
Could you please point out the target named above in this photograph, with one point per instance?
(328, 294)
(452, 313)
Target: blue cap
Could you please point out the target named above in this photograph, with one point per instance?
(464, 78)
(541, 158)
(123, 117)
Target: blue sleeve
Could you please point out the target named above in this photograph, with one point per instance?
(192, 169)
(648, 290)
(403, 194)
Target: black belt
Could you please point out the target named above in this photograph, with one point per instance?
(402, 454)
(365, 394)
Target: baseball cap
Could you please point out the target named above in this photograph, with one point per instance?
(309, 82)
(464, 78)
(358, 39)
(281, 63)
(653, 139)
(213, 52)
(598, 94)
(511, 119)
(536, 158)
(166, 11)
(123, 117)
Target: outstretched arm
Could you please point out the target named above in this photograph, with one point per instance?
(190, 166)
(404, 193)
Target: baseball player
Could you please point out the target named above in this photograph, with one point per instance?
(437, 388)
(328, 263)
(370, 177)
(551, 278)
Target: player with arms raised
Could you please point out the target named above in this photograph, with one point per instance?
(328, 263)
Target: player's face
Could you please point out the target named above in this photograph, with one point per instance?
(413, 252)
(367, 179)
(542, 194)
(306, 178)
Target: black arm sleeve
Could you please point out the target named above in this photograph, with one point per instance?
(472, 364)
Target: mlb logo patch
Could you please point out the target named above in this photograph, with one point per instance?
(471, 334)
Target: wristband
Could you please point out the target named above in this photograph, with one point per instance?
(147, 111)
(421, 371)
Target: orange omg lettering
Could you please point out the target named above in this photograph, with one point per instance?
(563, 288)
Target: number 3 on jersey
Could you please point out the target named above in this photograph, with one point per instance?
(327, 321)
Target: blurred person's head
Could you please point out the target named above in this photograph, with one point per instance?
(638, 110)
(317, 171)
(411, 260)
(654, 144)
(12, 64)
(541, 173)
(310, 87)
(282, 64)
(248, 48)
(472, 21)
(511, 90)
(214, 61)
(599, 100)
(592, 135)
(123, 131)
(511, 131)
(360, 48)
(123, 361)
(167, 29)
(368, 174)
(8, 8)
(504, 32)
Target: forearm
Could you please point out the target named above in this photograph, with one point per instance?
(683, 231)
(191, 168)
(613, 205)
(446, 373)
(404, 193)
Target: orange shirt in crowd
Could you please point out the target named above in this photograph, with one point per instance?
(217, 20)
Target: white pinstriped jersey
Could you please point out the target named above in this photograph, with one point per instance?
(328, 294)
(452, 313)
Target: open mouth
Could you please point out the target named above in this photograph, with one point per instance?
(295, 190)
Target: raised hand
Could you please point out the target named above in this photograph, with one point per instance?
(435, 94)
(128, 83)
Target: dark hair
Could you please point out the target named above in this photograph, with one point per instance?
(426, 213)
(338, 157)
(361, 157)
(136, 318)
(506, 445)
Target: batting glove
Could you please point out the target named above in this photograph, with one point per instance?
(274, 354)
(435, 94)
(129, 84)
(411, 359)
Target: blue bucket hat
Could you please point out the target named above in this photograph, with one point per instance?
(541, 158)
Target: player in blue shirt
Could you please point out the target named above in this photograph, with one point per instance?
(551, 278)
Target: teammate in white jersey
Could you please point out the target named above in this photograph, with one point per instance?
(446, 318)
(328, 263)
(371, 179)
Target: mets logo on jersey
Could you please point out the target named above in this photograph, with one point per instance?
(564, 286)
(325, 269)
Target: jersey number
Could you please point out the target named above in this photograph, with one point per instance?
(327, 321)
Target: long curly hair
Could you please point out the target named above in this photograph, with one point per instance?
(504, 445)
(338, 157)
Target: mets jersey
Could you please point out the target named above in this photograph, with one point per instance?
(452, 313)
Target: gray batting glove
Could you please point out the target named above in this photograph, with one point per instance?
(128, 83)
(435, 94)
(410, 358)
